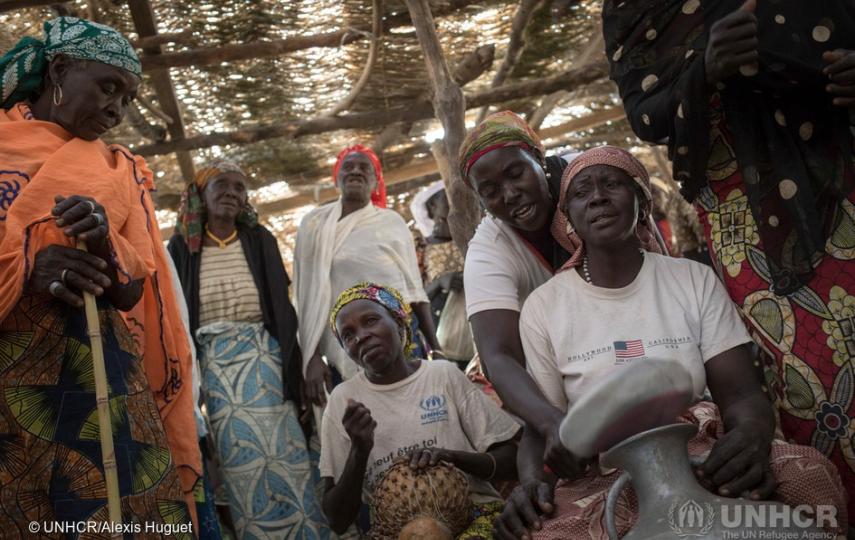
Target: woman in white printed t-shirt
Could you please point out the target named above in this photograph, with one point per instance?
(615, 303)
(401, 406)
(511, 254)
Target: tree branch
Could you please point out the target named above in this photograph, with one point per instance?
(595, 47)
(467, 70)
(418, 110)
(265, 49)
(9, 5)
(376, 32)
(449, 107)
(421, 168)
(515, 46)
(145, 24)
(152, 132)
(162, 39)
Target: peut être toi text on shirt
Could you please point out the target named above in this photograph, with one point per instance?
(435, 407)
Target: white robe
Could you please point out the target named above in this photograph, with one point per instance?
(332, 254)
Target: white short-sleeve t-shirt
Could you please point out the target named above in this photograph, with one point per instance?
(500, 270)
(574, 332)
(435, 407)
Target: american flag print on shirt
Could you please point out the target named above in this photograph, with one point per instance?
(629, 349)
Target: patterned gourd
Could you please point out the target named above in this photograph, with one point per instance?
(402, 495)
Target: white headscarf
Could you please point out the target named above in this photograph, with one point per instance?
(419, 207)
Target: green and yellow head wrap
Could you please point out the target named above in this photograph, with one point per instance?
(387, 297)
(498, 130)
(23, 68)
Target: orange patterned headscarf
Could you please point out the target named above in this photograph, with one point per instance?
(378, 196)
(563, 231)
(191, 211)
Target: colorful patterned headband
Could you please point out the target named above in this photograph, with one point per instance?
(387, 297)
(498, 130)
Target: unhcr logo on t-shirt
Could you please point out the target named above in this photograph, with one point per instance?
(434, 410)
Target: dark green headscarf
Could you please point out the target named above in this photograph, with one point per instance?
(23, 68)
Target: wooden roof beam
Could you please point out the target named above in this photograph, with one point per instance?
(11, 5)
(267, 49)
(425, 167)
(594, 47)
(376, 34)
(419, 110)
(146, 27)
(162, 39)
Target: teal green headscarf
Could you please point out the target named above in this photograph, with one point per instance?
(24, 67)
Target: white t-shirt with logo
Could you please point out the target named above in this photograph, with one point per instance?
(574, 332)
(500, 270)
(435, 407)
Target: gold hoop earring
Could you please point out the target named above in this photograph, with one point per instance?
(57, 100)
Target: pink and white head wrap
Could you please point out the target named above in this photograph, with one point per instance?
(563, 231)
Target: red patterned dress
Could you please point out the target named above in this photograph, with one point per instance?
(769, 161)
(809, 333)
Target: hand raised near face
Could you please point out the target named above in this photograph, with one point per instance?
(359, 426)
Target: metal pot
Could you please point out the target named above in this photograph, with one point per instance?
(672, 504)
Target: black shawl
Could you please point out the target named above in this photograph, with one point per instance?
(278, 314)
(555, 168)
(791, 147)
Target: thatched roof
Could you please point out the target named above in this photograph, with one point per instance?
(288, 89)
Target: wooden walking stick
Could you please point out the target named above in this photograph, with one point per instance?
(105, 426)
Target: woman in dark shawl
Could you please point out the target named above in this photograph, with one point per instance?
(245, 330)
(755, 102)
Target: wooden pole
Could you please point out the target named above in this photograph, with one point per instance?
(163, 39)
(401, 179)
(595, 46)
(376, 32)
(146, 26)
(102, 400)
(449, 106)
(467, 70)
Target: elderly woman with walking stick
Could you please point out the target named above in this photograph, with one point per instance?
(60, 185)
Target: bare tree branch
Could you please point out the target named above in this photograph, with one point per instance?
(551, 101)
(136, 120)
(265, 49)
(10, 5)
(449, 107)
(376, 32)
(515, 46)
(418, 110)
